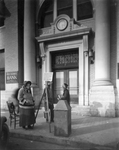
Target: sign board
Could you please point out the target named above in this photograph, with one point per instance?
(48, 76)
(12, 77)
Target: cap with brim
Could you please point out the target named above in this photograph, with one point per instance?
(66, 84)
(27, 82)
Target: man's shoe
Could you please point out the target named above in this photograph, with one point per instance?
(23, 127)
(52, 120)
(30, 127)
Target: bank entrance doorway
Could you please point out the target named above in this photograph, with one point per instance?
(65, 70)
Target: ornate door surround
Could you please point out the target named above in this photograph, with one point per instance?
(67, 34)
(83, 65)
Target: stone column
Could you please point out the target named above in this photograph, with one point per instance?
(102, 43)
(29, 41)
(102, 96)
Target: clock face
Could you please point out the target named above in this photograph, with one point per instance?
(62, 24)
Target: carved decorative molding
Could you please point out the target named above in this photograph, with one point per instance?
(62, 24)
(42, 50)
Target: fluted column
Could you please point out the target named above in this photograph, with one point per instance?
(29, 41)
(102, 43)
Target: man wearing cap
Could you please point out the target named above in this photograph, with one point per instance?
(48, 92)
(65, 95)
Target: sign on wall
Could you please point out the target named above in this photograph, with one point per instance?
(48, 76)
(12, 77)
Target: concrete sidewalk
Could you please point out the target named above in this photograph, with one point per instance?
(87, 132)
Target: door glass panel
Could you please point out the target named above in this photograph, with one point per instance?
(69, 76)
(73, 82)
(59, 82)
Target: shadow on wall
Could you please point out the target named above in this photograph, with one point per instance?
(109, 112)
(117, 110)
(94, 108)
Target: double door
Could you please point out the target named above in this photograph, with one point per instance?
(69, 76)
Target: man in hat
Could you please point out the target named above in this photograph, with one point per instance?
(65, 95)
(48, 92)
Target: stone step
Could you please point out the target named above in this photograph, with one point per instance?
(81, 110)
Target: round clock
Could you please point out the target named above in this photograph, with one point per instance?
(62, 24)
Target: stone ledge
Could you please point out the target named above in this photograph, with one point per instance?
(60, 141)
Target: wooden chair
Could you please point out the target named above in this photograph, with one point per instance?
(12, 114)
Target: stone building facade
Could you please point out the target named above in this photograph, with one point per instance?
(77, 40)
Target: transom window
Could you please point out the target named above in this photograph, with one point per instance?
(84, 10)
(46, 15)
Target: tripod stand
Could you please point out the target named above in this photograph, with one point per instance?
(47, 110)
